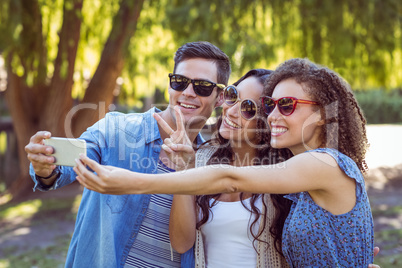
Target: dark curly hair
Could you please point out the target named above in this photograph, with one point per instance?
(265, 155)
(345, 125)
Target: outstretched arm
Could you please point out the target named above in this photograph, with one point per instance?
(304, 172)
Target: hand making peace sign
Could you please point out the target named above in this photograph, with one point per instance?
(178, 147)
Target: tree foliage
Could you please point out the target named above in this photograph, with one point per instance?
(362, 40)
(41, 76)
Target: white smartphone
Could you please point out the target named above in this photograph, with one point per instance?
(66, 150)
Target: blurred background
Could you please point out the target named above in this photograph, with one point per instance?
(57, 56)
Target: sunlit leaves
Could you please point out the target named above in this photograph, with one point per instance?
(52, 15)
(361, 39)
(95, 28)
(150, 57)
(240, 28)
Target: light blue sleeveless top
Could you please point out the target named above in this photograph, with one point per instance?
(314, 237)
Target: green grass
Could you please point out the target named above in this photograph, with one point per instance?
(390, 261)
(29, 208)
(50, 257)
(387, 211)
(388, 240)
(32, 213)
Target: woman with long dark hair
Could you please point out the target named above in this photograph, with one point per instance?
(253, 221)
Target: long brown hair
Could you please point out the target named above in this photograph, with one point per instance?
(265, 155)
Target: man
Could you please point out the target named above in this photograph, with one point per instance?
(132, 230)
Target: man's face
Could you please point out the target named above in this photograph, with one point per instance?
(196, 109)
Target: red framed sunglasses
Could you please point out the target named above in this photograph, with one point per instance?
(248, 107)
(286, 105)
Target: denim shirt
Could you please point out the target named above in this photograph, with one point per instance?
(107, 225)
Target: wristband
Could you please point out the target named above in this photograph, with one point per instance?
(54, 172)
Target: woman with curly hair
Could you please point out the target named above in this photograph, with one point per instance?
(253, 222)
(312, 112)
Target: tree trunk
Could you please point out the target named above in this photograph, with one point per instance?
(24, 128)
(99, 94)
(41, 107)
(59, 100)
(49, 107)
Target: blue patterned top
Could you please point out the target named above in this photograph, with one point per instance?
(314, 237)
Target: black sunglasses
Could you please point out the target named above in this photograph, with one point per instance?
(286, 105)
(248, 107)
(202, 88)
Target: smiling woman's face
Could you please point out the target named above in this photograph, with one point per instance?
(299, 131)
(234, 127)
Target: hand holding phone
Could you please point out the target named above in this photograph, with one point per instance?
(66, 150)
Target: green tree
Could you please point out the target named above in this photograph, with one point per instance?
(362, 40)
(40, 76)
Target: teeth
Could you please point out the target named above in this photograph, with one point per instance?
(278, 130)
(188, 106)
(230, 123)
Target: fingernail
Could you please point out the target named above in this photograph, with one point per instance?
(81, 156)
(49, 151)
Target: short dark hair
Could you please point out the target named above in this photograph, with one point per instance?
(208, 51)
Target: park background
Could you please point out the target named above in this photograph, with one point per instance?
(114, 55)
